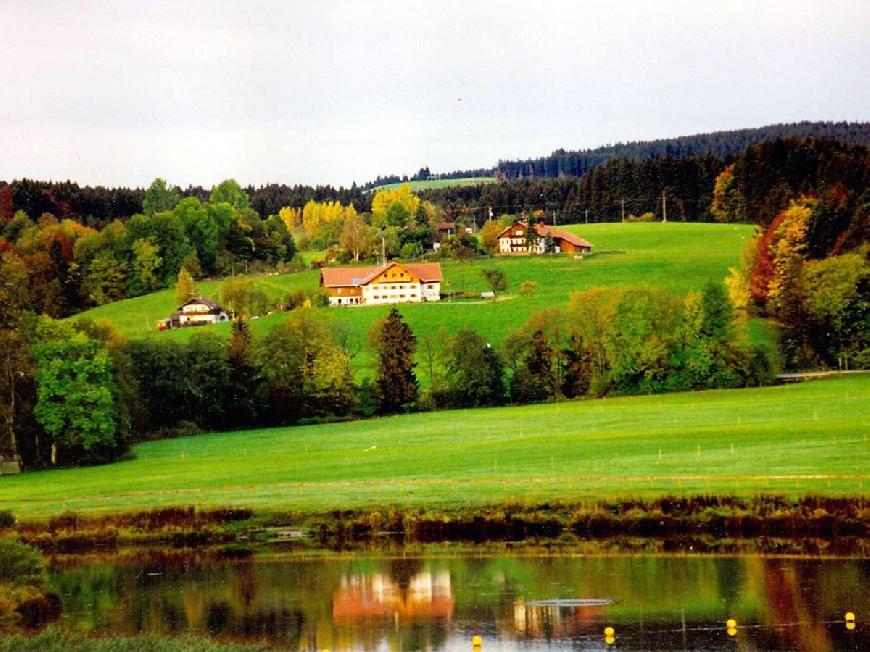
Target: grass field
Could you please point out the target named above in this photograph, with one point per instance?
(433, 184)
(798, 439)
(678, 257)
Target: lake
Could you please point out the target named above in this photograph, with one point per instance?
(440, 601)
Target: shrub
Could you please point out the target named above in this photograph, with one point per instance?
(21, 565)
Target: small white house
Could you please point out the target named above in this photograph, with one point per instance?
(196, 312)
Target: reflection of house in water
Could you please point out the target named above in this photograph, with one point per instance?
(428, 595)
(557, 618)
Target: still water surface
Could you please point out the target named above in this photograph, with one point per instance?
(513, 602)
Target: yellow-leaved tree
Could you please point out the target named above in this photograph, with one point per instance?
(315, 215)
(725, 204)
(787, 250)
(292, 218)
(394, 206)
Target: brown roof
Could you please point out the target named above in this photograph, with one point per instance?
(213, 308)
(356, 276)
(543, 230)
(577, 241)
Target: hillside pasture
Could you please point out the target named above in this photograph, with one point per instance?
(808, 438)
(434, 184)
(677, 257)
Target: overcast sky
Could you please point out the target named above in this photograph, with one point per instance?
(117, 93)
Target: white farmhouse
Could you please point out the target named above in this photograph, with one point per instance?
(391, 283)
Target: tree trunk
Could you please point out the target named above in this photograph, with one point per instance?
(54, 453)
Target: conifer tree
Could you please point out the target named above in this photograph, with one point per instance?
(397, 384)
(242, 391)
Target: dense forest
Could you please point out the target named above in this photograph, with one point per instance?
(721, 144)
(764, 177)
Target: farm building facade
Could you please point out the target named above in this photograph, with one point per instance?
(196, 312)
(391, 283)
(514, 240)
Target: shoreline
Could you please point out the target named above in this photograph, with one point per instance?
(700, 523)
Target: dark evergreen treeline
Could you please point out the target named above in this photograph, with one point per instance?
(721, 144)
(621, 186)
(91, 206)
(765, 177)
(770, 165)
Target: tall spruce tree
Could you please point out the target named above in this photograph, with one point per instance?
(397, 384)
(242, 391)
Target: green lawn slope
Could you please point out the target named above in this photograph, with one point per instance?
(798, 439)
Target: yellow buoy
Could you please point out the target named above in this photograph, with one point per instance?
(732, 631)
(476, 641)
(610, 640)
(850, 625)
(731, 623)
(609, 631)
(850, 615)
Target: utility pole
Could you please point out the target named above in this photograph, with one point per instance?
(664, 207)
(623, 208)
(383, 251)
(10, 417)
(554, 217)
(586, 213)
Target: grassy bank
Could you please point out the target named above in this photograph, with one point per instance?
(55, 639)
(805, 525)
(794, 440)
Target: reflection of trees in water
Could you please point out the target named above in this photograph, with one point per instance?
(403, 569)
(791, 598)
(416, 604)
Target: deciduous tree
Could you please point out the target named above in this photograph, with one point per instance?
(496, 279)
(475, 372)
(185, 289)
(76, 396)
(159, 197)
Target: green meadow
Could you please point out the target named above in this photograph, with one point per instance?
(678, 257)
(799, 439)
(432, 184)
